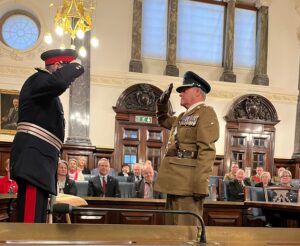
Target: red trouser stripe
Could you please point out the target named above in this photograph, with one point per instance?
(30, 203)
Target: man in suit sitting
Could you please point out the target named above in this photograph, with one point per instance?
(144, 187)
(137, 171)
(237, 186)
(104, 185)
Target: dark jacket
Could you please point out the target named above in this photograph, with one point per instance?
(236, 191)
(112, 187)
(260, 184)
(140, 187)
(33, 159)
(86, 171)
(70, 187)
(131, 178)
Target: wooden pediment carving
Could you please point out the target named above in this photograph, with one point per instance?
(139, 98)
(252, 108)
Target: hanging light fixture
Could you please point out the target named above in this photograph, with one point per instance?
(74, 17)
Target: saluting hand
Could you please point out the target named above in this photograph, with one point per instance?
(164, 97)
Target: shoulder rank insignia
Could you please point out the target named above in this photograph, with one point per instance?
(189, 120)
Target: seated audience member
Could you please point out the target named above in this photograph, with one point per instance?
(103, 185)
(257, 177)
(137, 173)
(82, 165)
(285, 195)
(144, 187)
(74, 173)
(285, 178)
(265, 180)
(64, 184)
(125, 171)
(231, 175)
(7, 185)
(149, 163)
(275, 218)
(276, 179)
(236, 188)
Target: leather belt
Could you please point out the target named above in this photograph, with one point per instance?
(182, 153)
(40, 133)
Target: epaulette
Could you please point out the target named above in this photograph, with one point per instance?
(40, 69)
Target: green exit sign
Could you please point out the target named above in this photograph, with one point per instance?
(143, 119)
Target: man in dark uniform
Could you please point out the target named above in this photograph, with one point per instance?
(40, 133)
(184, 171)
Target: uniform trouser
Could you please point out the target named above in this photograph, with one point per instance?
(183, 203)
(31, 203)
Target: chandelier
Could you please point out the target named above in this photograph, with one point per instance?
(73, 18)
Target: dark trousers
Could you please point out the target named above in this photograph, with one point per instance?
(31, 203)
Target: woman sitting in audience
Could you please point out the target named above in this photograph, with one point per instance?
(265, 180)
(125, 171)
(285, 178)
(74, 173)
(276, 179)
(82, 165)
(231, 175)
(8, 185)
(236, 189)
(64, 184)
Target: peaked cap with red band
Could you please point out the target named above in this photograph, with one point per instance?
(59, 55)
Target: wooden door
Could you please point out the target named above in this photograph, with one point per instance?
(138, 137)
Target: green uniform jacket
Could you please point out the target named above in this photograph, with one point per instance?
(197, 130)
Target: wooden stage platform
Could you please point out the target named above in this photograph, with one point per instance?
(83, 234)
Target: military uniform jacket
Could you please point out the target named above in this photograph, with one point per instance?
(197, 130)
(33, 159)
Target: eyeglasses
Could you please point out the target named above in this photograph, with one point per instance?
(285, 176)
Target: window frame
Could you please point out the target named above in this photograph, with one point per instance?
(11, 13)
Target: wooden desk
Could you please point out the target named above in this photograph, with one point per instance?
(216, 213)
(144, 235)
(288, 211)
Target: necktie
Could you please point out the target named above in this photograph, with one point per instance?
(103, 185)
(148, 192)
(137, 177)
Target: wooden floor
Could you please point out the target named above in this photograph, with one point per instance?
(83, 234)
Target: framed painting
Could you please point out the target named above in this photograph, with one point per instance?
(9, 105)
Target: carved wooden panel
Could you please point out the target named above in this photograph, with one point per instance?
(98, 217)
(250, 133)
(138, 137)
(137, 218)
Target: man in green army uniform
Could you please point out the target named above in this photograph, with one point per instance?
(190, 154)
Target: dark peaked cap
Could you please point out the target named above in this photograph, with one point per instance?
(190, 79)
(59, 55)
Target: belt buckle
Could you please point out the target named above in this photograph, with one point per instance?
(180, 153)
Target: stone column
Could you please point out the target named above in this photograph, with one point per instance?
(296, 153)
(171, 68)
(260, 76)
(135, 64)
(79, 101)
(228, 74)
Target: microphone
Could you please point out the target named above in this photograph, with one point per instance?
(64, 208)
